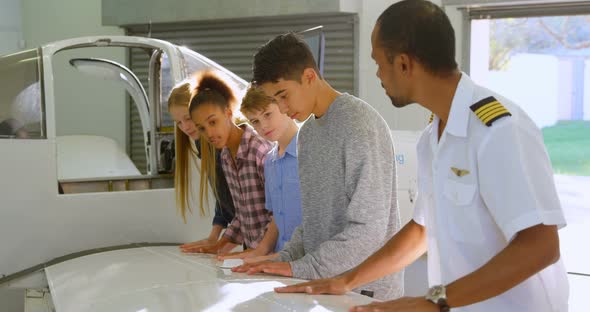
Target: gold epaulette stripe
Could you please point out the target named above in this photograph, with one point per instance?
(489, 110)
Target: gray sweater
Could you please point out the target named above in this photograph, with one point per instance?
(348, 195)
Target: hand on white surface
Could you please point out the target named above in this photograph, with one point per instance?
(216, 248)
(197, 244)
(209, 249)
(274, 268)
(330, 286)
(226, 249)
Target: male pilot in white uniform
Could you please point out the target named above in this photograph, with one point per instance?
(487, 210)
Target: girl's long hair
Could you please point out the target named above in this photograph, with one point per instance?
(185, 152)
(211, 88)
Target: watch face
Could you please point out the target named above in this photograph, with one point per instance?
(437, 291)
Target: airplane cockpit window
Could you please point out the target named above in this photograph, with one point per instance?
(21, 101)
(166, 85)
(94, 89)
(165, 149)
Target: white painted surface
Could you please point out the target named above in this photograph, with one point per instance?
(579, 286)
(456, 17)
(406, 163)
(416, 278)
(10, 26)
(163, 279)
(38, 225)
(412, 117)
(89, 156)
(575, 202)
(415, 275)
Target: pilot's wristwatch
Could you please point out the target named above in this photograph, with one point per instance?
(438, 295)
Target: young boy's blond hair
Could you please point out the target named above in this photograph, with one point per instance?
(255, 100)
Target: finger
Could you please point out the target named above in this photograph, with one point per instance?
(192, 247)
(311, 288)
(364, 308)
(275, 271)
(190, 250)
(256, 269)
(249, 255)
(320, 290)
(187, 246)
(201, 241)
(192, 243)
(241, 268)
(199, 250)
(252, 260)
(197, 243)
(298, 288)
(248, 267)
(373, 306)
(195, 250)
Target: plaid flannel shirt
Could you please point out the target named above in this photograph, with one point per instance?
(245, 178)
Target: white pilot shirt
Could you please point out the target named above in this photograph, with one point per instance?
(478, 187)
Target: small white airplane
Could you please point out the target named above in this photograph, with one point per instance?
(83, 229)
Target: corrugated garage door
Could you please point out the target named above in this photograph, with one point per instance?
(232, 43)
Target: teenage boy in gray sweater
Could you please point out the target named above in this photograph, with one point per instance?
(346, 168)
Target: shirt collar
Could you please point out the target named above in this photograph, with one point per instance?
(291, 149)
(244, 143)
(459, 114)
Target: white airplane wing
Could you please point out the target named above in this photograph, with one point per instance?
(163, 279)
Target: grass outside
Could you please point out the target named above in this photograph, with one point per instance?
(568, 145)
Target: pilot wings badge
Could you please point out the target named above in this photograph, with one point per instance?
(460, 172)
